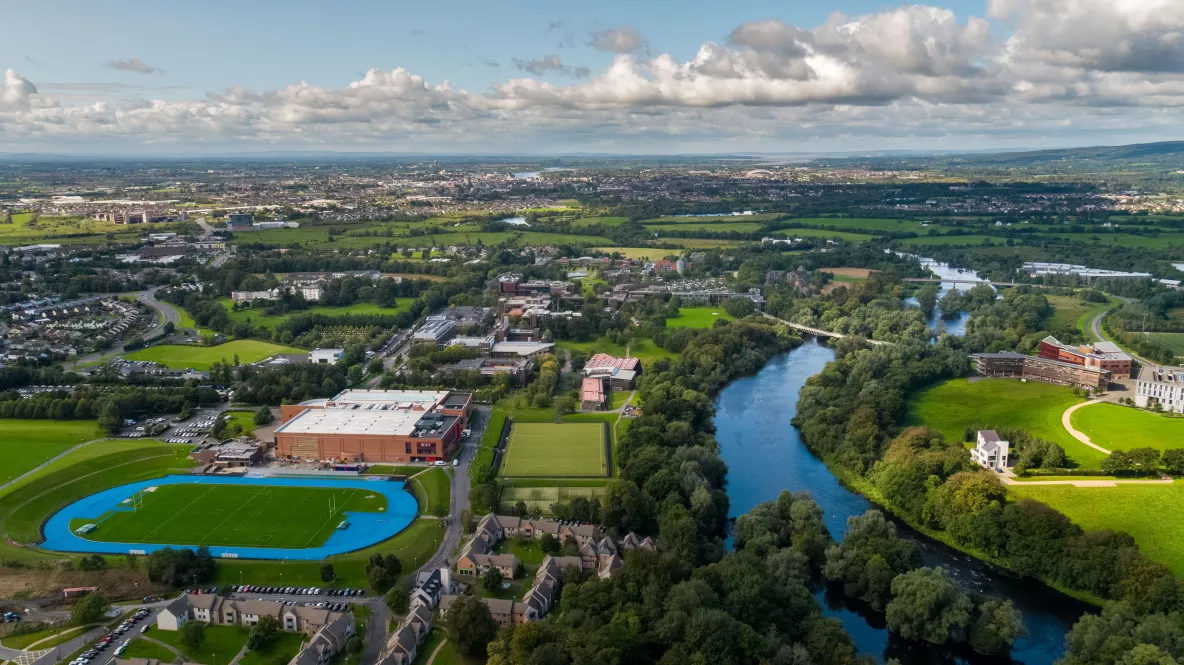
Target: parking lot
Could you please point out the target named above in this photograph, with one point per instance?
(115, 640)
(337, 600)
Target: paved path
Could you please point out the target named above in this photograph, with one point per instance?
(237, 657)
(162, 644)
(1066, 420)
(432, 658)
(50, 461)
(819, 332)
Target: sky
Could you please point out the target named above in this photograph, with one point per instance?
(647, 76)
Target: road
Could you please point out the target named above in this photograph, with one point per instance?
(56, 654)
(1095, 329)
(169, 314)
(458, 501)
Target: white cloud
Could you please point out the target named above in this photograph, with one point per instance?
(622, 39)
(1083, 68)
(133, 65)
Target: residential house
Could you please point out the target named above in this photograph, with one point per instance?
(990, 452)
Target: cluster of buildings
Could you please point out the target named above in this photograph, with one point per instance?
(378, 426)
(602, 373)
(402, 646)
(703, 292)
(1009, 364)
(598, 554)
(310, 285)
(63, 329)
(1098, 355)
(327, 631)
(500, 348)
(140, 216)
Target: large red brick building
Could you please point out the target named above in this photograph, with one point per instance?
(1099, 355)
(377, 426)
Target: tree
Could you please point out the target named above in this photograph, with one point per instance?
(110, 419)
(470, 626)
(927, 605)
(193, 633)
(327, 572)
(169, 328)
(91, 609)
(383, 571)
(1173, 460)
(263, 416)
(397, 600)
(493, 580)
(354, 373)
(869, 557)
(355, 645)
(520, 509)
(263, 633)
(549, 544)
(996, 627)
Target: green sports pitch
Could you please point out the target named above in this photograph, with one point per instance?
(233, 516)
(556, 450)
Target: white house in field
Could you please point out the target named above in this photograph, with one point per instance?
(990, 452)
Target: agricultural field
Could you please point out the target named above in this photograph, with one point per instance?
(1161, 241)
(697, 225)
(698, 317)
(822, 233)
(177, 356)
(540, 498)
(24, 444)
(1071, 312)
(1115, 427)
(716, 219)
(863, 223)
(638, 253)
(976, 240)
(255, 315)
(598, 221)
(954, 405)
(1152, 514)
(550, 449)
(229, 515)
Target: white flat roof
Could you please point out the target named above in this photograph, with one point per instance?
(424, 398)
(352, 421)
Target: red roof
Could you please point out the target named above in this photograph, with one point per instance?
(605, 360)
(593, 390)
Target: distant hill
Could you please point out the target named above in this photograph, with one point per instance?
(1141, 157)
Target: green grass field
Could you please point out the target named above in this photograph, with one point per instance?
(638, 253)
(245, 419)
(1172, 341)
(1121, 428)
(952, 406)
(432, 489)
(643, 348)
(146, 649)
(231, 515)
(1153, 514)
(924, 241)
(550, 449)
(222, 643)
(281, 650)
(58, 633)
(177, 356)
(541, 498)
(24, 444)
(698, 317)
(255, 316)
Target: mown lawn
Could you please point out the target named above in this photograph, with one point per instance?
(220, 644)
(24, 444)
(1152, 514)
(432, 489)
(179, 356)
(281, 650)
(698, 317)
(642, 348)
(23, 641)
(1121, 428)
(952, 406)
(146, 649)
(255, 315)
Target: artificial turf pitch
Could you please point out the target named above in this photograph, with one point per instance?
(233, 516)
(555, 449)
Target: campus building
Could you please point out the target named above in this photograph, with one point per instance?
(378, 426)
(1162, 385)
(1008, 364)
(990, 452)
(1099, 355)
(621, 373)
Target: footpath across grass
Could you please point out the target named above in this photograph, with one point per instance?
(952, 406)
(1153, 514)
(144, 649)
(1115, 427)
(182, 356)
(23, 641)
(281, 650)
(24, 444)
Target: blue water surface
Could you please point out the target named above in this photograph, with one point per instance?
(365, 528)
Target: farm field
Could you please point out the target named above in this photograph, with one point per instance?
(597, 221)
(823, 233)
(248, 516)
(1071, 312)
(1162, 241)
(698, 317)
(178, 356)
(697, 225)
(953, 240)
(24, 444)
(638, 253)
(952, 406)
(549, 449)
(868, 223)
(540, 498)
(1117, 427)
(739, 219)
(1152, 514)
(256, 317)
(643, 348)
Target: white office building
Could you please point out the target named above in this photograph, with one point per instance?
(1162, 385)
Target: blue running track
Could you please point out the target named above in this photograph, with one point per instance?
(365, 529)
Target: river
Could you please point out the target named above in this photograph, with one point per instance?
(765, 455)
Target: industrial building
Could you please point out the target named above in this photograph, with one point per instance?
(1162, 385)
(1008, 364)
(380, 426)
(1099, 355)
